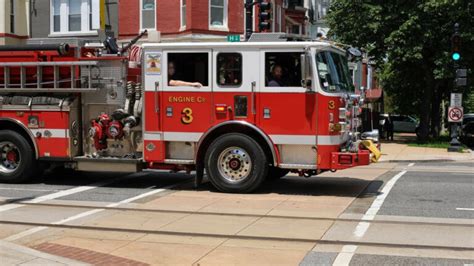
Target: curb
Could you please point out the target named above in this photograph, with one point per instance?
(14, 248)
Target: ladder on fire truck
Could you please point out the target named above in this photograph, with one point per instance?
(57, 84)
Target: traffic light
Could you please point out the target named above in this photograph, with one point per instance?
(461, 77)
(264, 15)
(456, 44)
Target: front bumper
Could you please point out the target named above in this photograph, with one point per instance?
(364, 156)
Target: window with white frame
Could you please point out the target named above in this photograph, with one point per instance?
(75, 16)
(148, 14)
(183, 13)
(218, 13)
(12, 16)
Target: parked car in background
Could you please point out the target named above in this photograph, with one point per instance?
(401, 123)
(467, 130)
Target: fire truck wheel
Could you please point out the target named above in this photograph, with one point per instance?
(275, 173)
(17, 161)
(236, 163)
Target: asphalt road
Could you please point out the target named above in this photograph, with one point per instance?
(432, 194)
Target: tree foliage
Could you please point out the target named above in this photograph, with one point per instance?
(410, 41)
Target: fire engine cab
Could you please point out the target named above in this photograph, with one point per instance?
(240, 112)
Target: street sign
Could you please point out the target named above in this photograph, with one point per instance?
(456, 100)
(455, 114)
(233, 38)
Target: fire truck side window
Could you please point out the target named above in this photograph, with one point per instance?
(189, 67)
(229, 69)
(283, 69)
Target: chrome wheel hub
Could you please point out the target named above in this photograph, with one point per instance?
(9, 157)
(234, 164)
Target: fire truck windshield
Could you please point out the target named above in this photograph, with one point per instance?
(333, 72)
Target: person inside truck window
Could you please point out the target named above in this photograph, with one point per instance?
(276, 75)
(174, 79)
(283, 69)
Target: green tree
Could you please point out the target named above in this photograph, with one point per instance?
(410, 40)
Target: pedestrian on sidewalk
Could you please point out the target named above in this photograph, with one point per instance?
(388, 127)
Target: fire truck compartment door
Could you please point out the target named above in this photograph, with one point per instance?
(234, 85)
(285, 111)
(185, 101)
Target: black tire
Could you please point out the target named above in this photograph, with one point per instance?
(249, 160)
(27, 164)
(275, 173)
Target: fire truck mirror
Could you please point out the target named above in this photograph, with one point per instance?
(306, 72)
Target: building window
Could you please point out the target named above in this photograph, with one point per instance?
(56, 6)
(12, 16)
(218, 13)
(229, 69)
(74, 16)
(91, 26)
(148, 14)
(183, 13)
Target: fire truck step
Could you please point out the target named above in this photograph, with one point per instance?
(108, 164)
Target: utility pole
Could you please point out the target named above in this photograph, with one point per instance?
(248, 18)
(455, 111)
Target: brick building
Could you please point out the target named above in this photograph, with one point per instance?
(203, 20)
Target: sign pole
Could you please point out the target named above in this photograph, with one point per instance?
(455, 112)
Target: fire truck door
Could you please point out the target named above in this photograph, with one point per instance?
(185, 101)
(285, 110)
(235, 84)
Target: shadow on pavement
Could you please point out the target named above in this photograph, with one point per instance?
(289, 185)
(314, 186)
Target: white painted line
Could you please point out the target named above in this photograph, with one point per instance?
(348, 251)
(28, 189)
(9, 207)
(345, 256)
(62, 193)
(71, 191)
(25, 233)
(465, 209)
(89, 213)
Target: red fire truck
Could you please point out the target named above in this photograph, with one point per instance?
(241, 112)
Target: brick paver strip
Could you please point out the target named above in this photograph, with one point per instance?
(85, 255)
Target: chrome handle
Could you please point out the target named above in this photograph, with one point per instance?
(157, 102)
(254, 111)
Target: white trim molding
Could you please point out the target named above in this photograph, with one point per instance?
(294, 139)
(173, 136)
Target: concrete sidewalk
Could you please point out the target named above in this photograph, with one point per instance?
(12, 254)
(399, 152)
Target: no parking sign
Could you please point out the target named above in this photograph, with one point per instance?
(455, 114)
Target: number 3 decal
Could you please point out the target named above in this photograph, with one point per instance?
(331, 105)
(188, 116)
